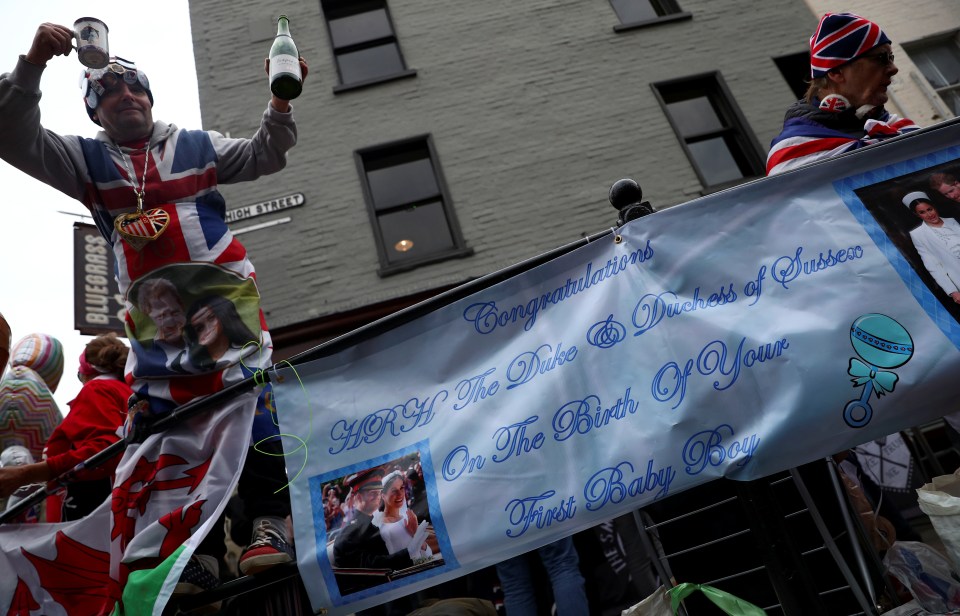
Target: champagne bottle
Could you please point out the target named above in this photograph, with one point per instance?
(286, 82)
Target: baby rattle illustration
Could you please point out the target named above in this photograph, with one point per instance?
(880, 342)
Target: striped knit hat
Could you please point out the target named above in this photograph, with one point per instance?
(28, 412)
(840, 38)
(41, 353)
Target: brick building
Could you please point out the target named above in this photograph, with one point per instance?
(441, 141)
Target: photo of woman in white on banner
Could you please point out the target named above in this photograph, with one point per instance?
(396, 522)
(937, 240)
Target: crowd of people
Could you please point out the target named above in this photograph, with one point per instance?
(28, 413)
(92, 424)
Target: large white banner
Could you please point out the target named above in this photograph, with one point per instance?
(736, 335)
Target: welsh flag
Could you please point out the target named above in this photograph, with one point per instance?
(126, 557)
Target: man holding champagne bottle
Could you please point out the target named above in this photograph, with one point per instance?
(151, 187)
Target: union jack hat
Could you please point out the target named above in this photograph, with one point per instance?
(840, 38)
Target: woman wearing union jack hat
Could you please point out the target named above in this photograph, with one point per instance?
(851, 68)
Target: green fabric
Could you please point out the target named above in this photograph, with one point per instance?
(142, 587)
(731, 605)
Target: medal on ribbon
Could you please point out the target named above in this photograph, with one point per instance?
(140, 228)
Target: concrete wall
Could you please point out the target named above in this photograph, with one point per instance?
(535, 108)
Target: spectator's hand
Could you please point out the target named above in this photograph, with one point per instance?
(13, 477)
(955, 296)
(9, 480)
(280, 104)
(432, 542)
(138, 414)
(50, 40)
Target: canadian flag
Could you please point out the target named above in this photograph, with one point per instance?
(126, 557)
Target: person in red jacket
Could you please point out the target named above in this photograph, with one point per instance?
(91, 425)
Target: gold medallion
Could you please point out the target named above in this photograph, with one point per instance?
(140, 228)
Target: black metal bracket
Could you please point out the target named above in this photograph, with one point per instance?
(627, 197)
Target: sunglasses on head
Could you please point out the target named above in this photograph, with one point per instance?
(112, 80)
(108, 78)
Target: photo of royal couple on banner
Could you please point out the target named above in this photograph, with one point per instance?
(378, 526)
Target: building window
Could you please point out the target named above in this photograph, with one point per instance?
(409, 205)
(939, 61)
(795, 69)
(711, 129)
(639, 13)
(364, 42)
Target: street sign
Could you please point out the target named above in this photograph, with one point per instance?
(265, 207)
(97, 304)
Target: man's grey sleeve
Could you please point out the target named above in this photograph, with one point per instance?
(239, 160)
(26, 144)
